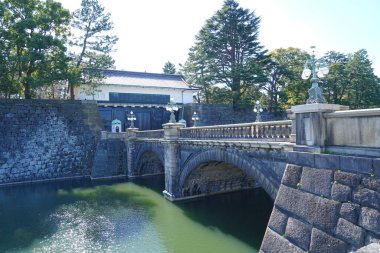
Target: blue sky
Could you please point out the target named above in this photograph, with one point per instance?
(152, 32)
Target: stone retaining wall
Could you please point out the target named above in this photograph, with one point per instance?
(47, 139)
(326, 203)
(110, 159)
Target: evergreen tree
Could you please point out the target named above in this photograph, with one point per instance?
(92, 25)
(169, 68)
(197, 72)
(33, 43)
(285, 86)
(227, 51)
(335, 84)
(364, 86)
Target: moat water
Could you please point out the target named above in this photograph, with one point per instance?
(128, 216)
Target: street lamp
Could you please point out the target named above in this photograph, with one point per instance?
(258, 109)
(195, 118)
(131, 118)
(172, 107)
(319, 69)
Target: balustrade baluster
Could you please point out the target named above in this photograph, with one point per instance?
(286, 132)
(280, 132)
(258, 131)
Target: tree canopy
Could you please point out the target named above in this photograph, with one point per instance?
(33, 35)
(169, 68)
(227, 52)
(92, 26)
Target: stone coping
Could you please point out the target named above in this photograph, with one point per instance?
(354, 113)
(317, 108)
(284, 146)
(354, 164)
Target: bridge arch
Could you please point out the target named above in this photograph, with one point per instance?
(149, 161)
(252, 167)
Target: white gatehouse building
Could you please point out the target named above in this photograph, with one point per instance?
(146, 94)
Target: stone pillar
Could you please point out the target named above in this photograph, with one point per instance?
(103, 135)
(292, 117)
(171, 157)
(131, 136)
(310, 126)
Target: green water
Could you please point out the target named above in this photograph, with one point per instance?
(78, 216)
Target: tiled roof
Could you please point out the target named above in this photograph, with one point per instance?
(144, 79)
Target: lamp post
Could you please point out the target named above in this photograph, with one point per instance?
(195, 118)
(131, 118)
(172, 107)
(318, 70)
(258, 109)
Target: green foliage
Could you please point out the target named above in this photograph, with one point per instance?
(284, 87)
(351, 80)
(92, 79)
(227, 52)
(169, 68)
(91, 26)
(33, 35)
(364, 85)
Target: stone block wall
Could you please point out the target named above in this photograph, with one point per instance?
(47, 139)
(326, 203)
(110, 158)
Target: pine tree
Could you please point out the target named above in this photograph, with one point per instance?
(94, 42)
(169, 68)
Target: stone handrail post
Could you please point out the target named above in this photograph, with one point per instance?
(292, 117)
(311, 129)
(131, 132)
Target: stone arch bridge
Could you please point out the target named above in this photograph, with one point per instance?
(322, 169)
(207, 160)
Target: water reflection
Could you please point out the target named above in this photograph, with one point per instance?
(76, 216)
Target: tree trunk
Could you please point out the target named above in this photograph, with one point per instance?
(27, 90)
(71, 87)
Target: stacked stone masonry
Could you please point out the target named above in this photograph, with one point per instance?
(330, 209)
(42, 139)
(110, 158)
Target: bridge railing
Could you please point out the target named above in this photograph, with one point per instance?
(154, 134)
(273, 130)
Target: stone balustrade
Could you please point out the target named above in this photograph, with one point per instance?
(270, 130)
(151, 134)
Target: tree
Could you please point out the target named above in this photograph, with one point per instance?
(227, 51)
(93, 41)
(335, 84)
(364, 85)
(169, 68)
(34, 45)
(197, 72)
(284, 85)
